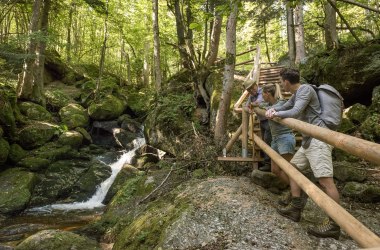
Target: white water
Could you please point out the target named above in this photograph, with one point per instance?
(96, 200)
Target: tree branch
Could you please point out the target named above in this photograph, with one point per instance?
(360, 5)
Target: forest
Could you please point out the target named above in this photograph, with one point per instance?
(116, 118)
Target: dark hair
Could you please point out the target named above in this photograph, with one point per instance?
(273, 89)
(292, 75)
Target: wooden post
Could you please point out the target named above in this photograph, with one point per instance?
(244, 140)
(234, 137)
(353, 227)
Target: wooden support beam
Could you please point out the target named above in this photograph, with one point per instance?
(234, 137)
(245, 159)
(244, 141)
(361, 234)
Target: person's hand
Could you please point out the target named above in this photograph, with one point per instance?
(270, 113)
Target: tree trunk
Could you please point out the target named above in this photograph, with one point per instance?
(266, 41)
(215, 38)
(228, 78)
(290, 33)
(103, 52)
(331, 36)
(68, 39)
(146, 71)
(156, 44)
(299, 33)
(30, 84)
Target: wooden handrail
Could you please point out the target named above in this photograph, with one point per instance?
(364, 149)
(353, 227)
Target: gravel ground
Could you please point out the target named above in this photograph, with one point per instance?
(234, 213)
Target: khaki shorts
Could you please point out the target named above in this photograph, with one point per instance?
(317, 156)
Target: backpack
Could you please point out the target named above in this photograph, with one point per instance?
(331, 105)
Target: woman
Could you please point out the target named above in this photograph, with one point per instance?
(283, 140)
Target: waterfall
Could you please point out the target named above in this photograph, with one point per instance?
(96, 200)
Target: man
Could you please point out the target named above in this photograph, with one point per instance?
(254, 100)
(304, 105)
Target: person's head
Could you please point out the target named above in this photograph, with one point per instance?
(271, 92)
(251, 87)
(289, 77)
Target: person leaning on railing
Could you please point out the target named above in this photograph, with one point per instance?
(304, 105)
(254, 100)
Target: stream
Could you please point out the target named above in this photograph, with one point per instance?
(68, 216)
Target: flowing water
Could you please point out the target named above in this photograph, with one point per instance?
(63, 216)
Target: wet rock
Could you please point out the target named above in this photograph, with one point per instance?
(77, 179)
(127, 123)
(107, 126)
(124, 138)
(34, 111)
(16, 187)
(52, 151)
(362, 192)
(56, 239)
(375, 106)
(110, 107)
(344, 171)
(71, 138)
(74, 115)
(36, 134)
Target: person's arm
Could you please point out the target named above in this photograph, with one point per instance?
(301, 101)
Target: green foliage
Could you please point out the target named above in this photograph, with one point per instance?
(173, 111)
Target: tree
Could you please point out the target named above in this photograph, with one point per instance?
(156, 53)
(299, 33)
(30, 84)
(331, 36)
(228, 77)
(215, 37)
(290, 34)
(103, 50)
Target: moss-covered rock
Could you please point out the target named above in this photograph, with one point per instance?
(36, 134)
(362, 192)
(73, 179)
(1, 131)
(344, 171)
(108, 108)
(268, 180)
(375, 106)
(56, 99)
(4, 150)
(34, 111)
(7, 118)
(16, 153)
(57, 239)
(357, 113)
(370, 128)
(71, 138)
(34, 164)
(52, 151)
(16, 188)
(74, 115)
(347, 126)
(86, 136)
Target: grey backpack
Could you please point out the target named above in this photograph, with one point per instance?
(331, 105)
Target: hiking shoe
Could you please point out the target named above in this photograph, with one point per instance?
(293, 210)
(328, 229)
(285, 200)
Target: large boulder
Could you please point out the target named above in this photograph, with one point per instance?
(56, 99)
(52, 151)
(7, 118)
(268, 180)
(71, 138)
(370, 128)
(36, 134)
(16, 188)
(34, 164)
(375, 106)
(74, 115)
(345, 172)
(34, 111)
(57, 239)
(74, 179)
(4, 150)
(357, 113)
(108, 108)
